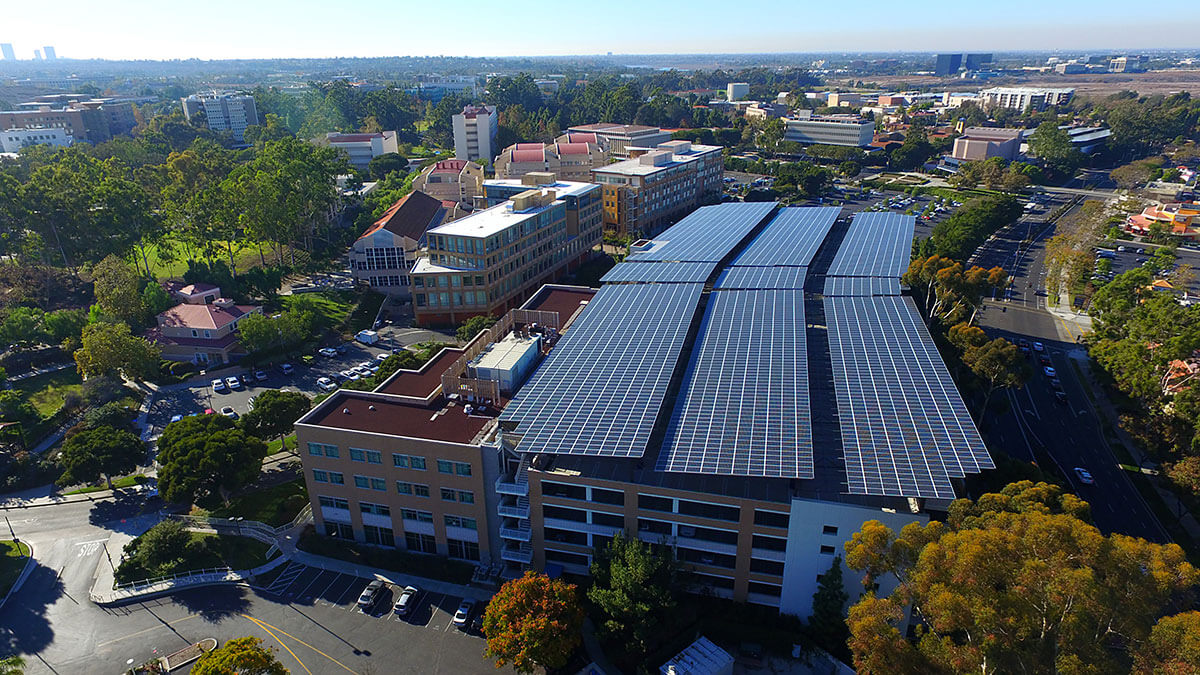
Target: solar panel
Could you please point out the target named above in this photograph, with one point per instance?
(791, 238)
(878, 244)
(905, 430)
(601, 387)
(659, 273)
(862, 286)
(752, 278)
(708, 234)
(743, 408)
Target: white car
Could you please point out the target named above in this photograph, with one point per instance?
(327, 351)
(229, 412)
(1050, 371)
(381, 357)
(219, 385)
(348, 375)
(406, 601)
(326, 384)
(1084, 476)
(365, 365)
(233, 382)
(463, 616)
(260, 376)
(362, 372)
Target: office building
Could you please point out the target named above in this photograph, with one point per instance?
(567, 161)
(49, 52)
(766, 110)
(202, 329)
(475, 133)
(947, 64)
(37, 55)
(701, 399)
(451, 179)
(976, 61)
(382, 256)
(1070, 68)
(1126, 64)
(1025, 98)
(362, 148)
(617, 139)
(846, 99)
(849, 130)
(737, 91)
(223, 111)
(979, 143)
(435, 89)
(84, 119)
(7, 50)
(645, 194)
(492, 260)
(12, 140)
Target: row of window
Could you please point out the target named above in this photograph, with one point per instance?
(449, 520)
(399, 461)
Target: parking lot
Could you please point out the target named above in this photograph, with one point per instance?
(1130, 259)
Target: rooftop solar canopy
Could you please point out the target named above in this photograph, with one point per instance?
(862, 286)
(905, 431)
(743, 408)
(877, 245)
(601, 387)
(660, 273)
(761, 278)
(708, 234)
(791, 238)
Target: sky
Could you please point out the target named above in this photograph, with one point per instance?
(226, 29)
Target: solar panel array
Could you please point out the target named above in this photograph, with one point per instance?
(659, 273)
(791, 238)
(743, 409)
(708, 234)
(862, 286)
(878, 244)
(754, 278)
(905, 430)
(601, 387)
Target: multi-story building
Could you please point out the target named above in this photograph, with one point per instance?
(49, 52)
(382, 256)
(808, 128)
(976, 61)
(846, 99)
(492, 260)
(737, 91)
(201, 329)
(84, 119)
(475, 133)
(223, 111)
(979, 143)
(766, 110)
(567, 161)
(947, 64)
(435, 89)
(1126, 64)
(617, 139)
(362, 148)
(1025, 98)
(12, 140)
(451, 179)
(7, 50)
(669, 410)
(645, 194)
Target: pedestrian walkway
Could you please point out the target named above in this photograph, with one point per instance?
(41, 371)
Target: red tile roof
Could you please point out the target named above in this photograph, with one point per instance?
(580, 137)
(449, 166)
(410, 216)
(571, 148)
(202, 316)
(192, 289)
(529, 155)
(155, 335)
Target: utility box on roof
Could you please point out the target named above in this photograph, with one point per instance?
(508, 361)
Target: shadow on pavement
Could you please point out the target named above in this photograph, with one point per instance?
(25, 629)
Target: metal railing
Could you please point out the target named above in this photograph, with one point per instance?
(218, 572)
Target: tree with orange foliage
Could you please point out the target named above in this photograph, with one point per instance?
(533, 621)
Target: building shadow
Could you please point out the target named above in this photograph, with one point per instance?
(24, 626)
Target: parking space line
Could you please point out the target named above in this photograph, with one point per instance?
(304, 592)
(331, 583)
(349, 589)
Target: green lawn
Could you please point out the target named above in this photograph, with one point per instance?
(275, 506)
(11, 563)
(127, 481)
(47, 392)
(275, 446)
(171, 258)
(239, 553)
(334, 306)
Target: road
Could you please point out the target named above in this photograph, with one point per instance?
(311, 620)
(1038, 426)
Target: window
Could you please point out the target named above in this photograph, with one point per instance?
(561, 513)
(652, 503)
(566, 536)
(769, 543)
(319, 449)
(654, 527)
(415, 515)
(552, 489)
(466, 497)
(448, 495)
(368, 456)
(766, 567)
(608, 519)
(333, 502)
(361, 482)
(414, 489)
(602, 496)
(568, 558)
(379, 536)
(714, 511)
(829, 529)
(339, 530)
(378, 484)
(408, 462)
(417, 463)
(708, 534)
(420, 543)
(454, 468)
(337, 478)
(356, 455)
(421, 490)
(706, 558)
(461, 521)
(377, 509)
(374, 457)
(445, 466)
(765, 589)
(771, 519)
(465, 550)
(827, 550)
(320, 476)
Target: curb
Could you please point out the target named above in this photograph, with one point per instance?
(21, 577)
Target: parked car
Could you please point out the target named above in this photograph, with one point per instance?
(463, 616)
(362, 372)
(1056, 384)
(246, 378)
(229, 412)
(365, 364)
(219, 386)
(175, 418)
(381, 357)
(326, 384)
(406, 601)
(1085, 477)
(286, 368)
(233, 382)
(327, 351)
(1050, 372)
(260, 375)
(370, 595)
(1039, 347)
(1060, 397)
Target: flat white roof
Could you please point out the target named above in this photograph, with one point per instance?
(487, 222)
(561, 187)
(634, 167)
(506, 353)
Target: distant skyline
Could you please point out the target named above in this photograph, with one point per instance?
(228, 29)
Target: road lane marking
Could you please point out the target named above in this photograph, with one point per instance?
(147, 630)
(289, 649)
(265, 626)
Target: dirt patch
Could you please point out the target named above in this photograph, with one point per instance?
(1093, 85)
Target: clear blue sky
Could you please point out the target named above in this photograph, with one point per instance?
(218, 29)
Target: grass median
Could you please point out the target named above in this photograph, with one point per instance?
(13, 556)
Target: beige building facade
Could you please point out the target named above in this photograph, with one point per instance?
(453, 179)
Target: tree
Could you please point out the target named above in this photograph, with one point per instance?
(157, 552)
(100, 451)
(1173, 647)
(65, 323)
(156, 300)
(1015, 582)
(12, 665)
(275, 412)
(827, 625)
(636, 586)
(998, 362)
(23, 325)
(241, 656)
(386, 163)
(1053, 146)
(110, 348)
(474, 326)
(206, 455)
(533, 621)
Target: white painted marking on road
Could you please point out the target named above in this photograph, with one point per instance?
(93, 541)
(88, 549)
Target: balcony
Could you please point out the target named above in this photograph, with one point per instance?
(514, 508)
(516, 532)
(512, 485)
(522, 554)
